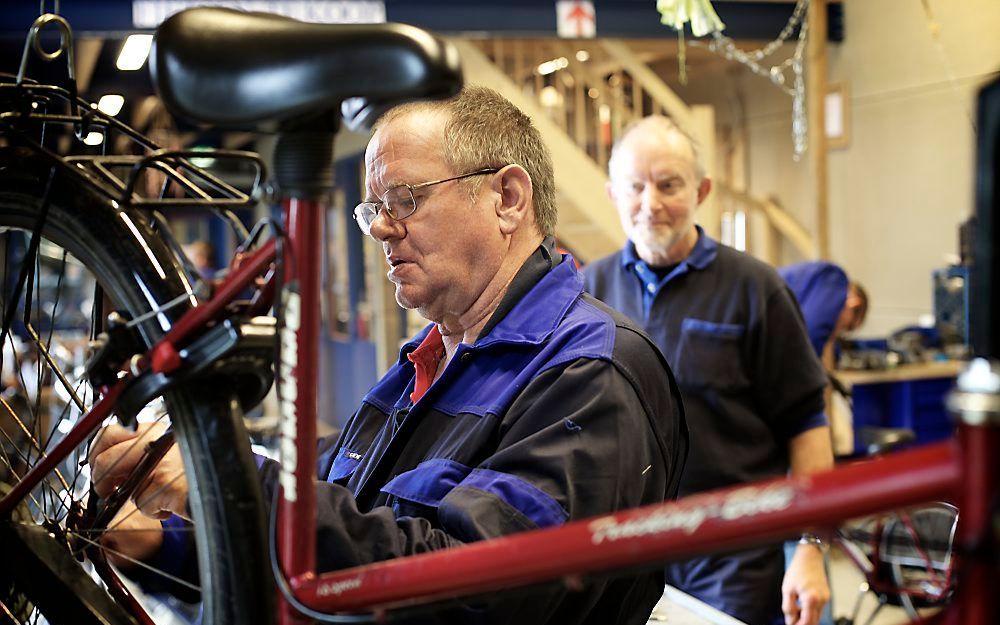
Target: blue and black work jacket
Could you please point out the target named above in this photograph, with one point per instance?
(560, 410)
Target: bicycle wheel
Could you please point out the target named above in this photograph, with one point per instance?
(917, 548)
(90, 247)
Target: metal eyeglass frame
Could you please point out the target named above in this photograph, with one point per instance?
(365, 213)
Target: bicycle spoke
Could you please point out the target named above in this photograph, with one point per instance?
(6, 459)
(144, 565)
(77, 451)
(6, 612)
(10, 464)
(64, 506)
(36, 280)
(24, 387)
(134, 510)
(34, 443)
(101, 530)
(54, 368)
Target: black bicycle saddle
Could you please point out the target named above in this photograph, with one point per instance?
(232, 68)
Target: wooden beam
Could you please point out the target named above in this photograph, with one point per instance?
(703, 127)
(651, 83)
(776, 216)
(816, 88)
(579, 181)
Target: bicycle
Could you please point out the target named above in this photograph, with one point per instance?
(162, 339)
(906, 558)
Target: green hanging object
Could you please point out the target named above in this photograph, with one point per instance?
(700, 14)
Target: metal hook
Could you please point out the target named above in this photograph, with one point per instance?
(41, 7)
(33, 40)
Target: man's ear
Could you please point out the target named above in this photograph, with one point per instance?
(515, 208)
(703, 188)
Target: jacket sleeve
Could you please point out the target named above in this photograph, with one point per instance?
(576, 442)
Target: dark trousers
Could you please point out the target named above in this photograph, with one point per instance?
(744, 584)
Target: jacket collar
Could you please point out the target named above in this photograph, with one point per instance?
(702, 254)
(537, 299)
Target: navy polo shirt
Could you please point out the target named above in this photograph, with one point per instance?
(734, 337)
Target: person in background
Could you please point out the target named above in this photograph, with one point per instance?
(524, 404)
(832, 306)
(733, 334)
(201, 253)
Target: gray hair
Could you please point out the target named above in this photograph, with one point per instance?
(484, 129)
(664, 124)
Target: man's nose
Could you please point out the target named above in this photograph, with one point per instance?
(651, 198)
(385, 227)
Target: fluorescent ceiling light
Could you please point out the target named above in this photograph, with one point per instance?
(134, 52)
(553, 66)
(111, 104)
(94, 138)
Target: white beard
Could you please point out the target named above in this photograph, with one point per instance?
(654, 244)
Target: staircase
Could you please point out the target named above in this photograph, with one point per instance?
(581, 94)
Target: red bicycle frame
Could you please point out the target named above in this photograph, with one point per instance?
(965, 470)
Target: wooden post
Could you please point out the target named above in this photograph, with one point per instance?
(816, 87)
(581, 82)
(539, 50)
(636, 98)
(499, 55)
(703, 128)
(520, 73)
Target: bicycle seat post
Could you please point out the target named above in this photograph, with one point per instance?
(303, 172)
(976, 406)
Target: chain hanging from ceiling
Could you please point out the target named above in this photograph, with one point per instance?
(703, 20)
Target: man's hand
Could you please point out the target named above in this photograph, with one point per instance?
(113, 457)
(133, 536)
(805, 590)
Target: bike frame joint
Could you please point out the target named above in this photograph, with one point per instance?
(242, 352)
(111, 350)
(976, 400)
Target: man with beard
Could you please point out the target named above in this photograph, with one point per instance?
(733, 335)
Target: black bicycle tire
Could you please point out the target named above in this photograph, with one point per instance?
(225, 498)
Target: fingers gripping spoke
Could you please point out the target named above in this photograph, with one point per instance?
(136, 441)
(148, 498)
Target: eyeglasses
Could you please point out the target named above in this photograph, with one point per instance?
(633, 189)
(399, 202)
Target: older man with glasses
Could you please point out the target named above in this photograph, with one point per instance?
(524, 403)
